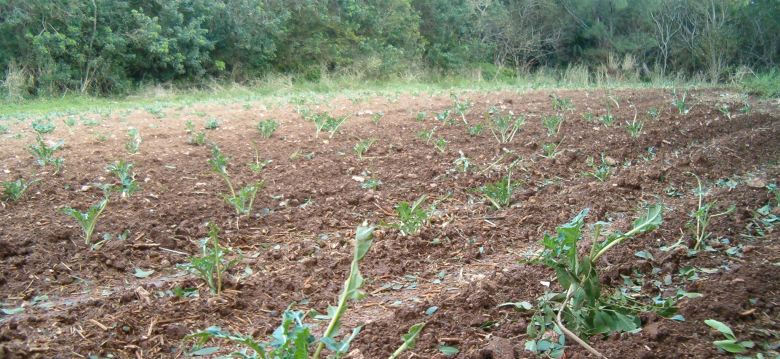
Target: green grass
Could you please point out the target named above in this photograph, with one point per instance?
(286, 86)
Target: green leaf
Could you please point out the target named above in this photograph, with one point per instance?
(729, 346)
(12, 311)
(431, 310)
(139, 273)
(721, 327)
(448, 350)
(364, 237)
(651, 221)
(205, 351)
(519, 306)
(678, 317)
(414, 331)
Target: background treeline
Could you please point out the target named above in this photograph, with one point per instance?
(106, 47)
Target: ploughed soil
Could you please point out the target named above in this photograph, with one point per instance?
(296, 245)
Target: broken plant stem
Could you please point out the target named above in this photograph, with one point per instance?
(568, 332)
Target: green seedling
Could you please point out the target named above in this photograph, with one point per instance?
(552, 123)
(500, 193)
(731, 344)
(199, 138)
(413, 217)
(408, 339)
(589, 117)
(133, 144)
(655, 113)
(243, 199)
(774, 189)
(42, 127)
(327, 123)
(440, 144)
(267, 127)
(444, 117)
(608, 120)
(426, 135)
(680, 103)
(582, 310)
(87, 220)
(461, 108)
(14, 190)
(370, 183)
(475, 130)
(463, 163)
(420, 116)
(559, 104)
(212, 264)
(124, 172)
(212, 124)
(257, 166)
(504, 127)
(363, 146)
(551, 149)
(635, 127)
(725, 111)
(376, 117)
(69, 121)
(98, 136)
(702, 217)
(599, 173)
(293, 338)
(44, 154)
(3, 129)
(189, 126)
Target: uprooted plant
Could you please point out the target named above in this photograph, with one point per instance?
(212, 264)
(243, 199)
(702, 217)
(581, 308)
(293, 338)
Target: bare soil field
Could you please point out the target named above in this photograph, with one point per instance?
(62, 298)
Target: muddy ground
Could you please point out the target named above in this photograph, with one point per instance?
(296, 243)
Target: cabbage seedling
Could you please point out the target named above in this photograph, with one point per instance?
(552, 123)
(500, 194)
(212, 124)
(461, 108)
(199, 138)
(635, 127)
(212, 263)
(124, 172)
(680, 103)
(413, 217)
(43, 154)
(363, 146)
(702, 216)
(267, 127)
(257, 166)
(475, 130)
(425, 135)
(505, 126)
(377, 117)
(133, 144)
(14, 190)
(599, 173)
(408, 339)
(440, 144)
(87, 220)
